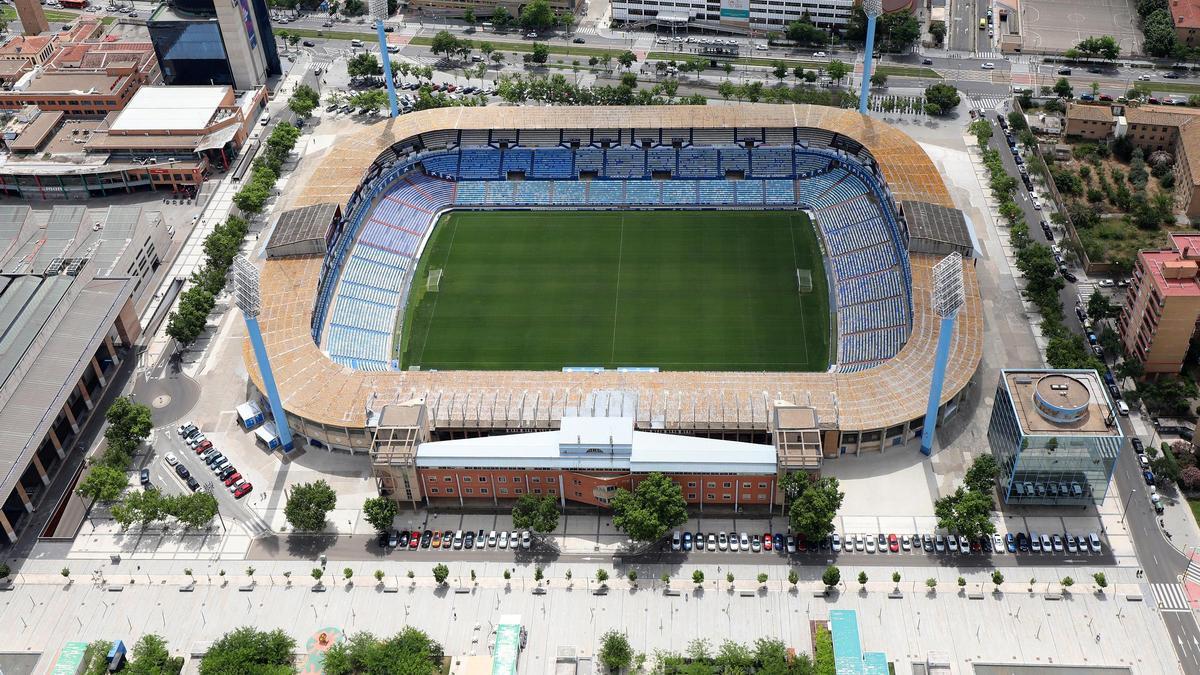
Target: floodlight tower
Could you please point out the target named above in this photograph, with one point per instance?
(246, 295)
(387, 68)
(872, 8)
(948, 297)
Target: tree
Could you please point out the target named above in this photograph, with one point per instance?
(191, 510)
(629, 80)
(931, 583)
(602, 576)
(812, 512)
(862, 579)
(537, 16)
(962, 582)
(103, 483)
(381, 512)
(308, 504)
(567, 21)
(1189, 477)
(1100, 579)
(981, 476)
(247, 650)
(541, 52)
(836, 70)
(1067, 582)
(1063, 88)
(896, 579)
(501, 17)
(698, 577)
(1099, 308)
(536, 512)
(831, 576)
(793, 577)
(1103, 46)
(943, 96)
(1158, 31)
(997, 578)
(469, 16)
(779, 69)
(129, 424)
(440, 572)
(615, 652)
(626, 59)
(364, 65)
(937, 29)
(879, 79)
(966, 512)
(655, 506)
(303, 100)
(151, 657)
(805, 33)
(632, 575)
(139, 506)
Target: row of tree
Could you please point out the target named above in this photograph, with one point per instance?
(304, 100)
(535, 16)
(129, 425)
(149, 656)
(767, 656)
(186, 323)
(557, 90)
(149, 506)
(253, 196)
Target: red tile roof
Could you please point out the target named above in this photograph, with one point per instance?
(1186, 13)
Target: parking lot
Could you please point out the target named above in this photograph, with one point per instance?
(1058, 25)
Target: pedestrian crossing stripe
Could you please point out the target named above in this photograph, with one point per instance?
(1170, 597)
(1193, 572)
(986, 103)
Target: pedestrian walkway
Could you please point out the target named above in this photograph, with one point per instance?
(1171, 598)
(1193, 572)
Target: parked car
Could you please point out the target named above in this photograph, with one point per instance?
(243, 490)
(232, 478)
(192, 483)
(414, 539)
(1171, 75)
(144, 477)
(468, 540)
(426, 538)
(676, 541)
(170, 459)
(309, 43)
(182, 471)
(687, 541)
(1094, 543)
(893, 543)
(927, 62)
(1064, 71)
(526, 540)
(722, 541)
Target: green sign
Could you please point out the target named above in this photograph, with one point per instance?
(70, 659)
(508, 648)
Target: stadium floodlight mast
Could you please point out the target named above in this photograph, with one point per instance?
(872, 8)
(948, 298)
(248, 298)
(393, 102)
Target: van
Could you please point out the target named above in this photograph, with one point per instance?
(266, 119)
(356, 43)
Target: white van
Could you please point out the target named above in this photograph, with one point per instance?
(356, 43)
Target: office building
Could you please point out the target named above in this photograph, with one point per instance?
(1163, 304)
(214, 42)
(1055, 436)
(482, 10)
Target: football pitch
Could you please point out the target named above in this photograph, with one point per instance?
(678, 290)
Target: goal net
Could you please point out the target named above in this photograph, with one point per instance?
(434, 281)
(804, 280)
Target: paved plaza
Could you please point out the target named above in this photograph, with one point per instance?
(1083, 627)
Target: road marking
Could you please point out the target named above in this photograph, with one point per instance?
(1171, 598)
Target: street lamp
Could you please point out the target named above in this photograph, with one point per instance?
(1126, 504)
(249, 300)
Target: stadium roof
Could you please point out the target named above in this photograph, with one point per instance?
(651, 451)
(315, 388)
(305, 224)
(934, 223)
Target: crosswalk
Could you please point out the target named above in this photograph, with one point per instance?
(1171, 598)
(986, 103)
(1193, 572)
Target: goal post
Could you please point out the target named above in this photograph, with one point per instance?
(804, 281)
(434, 281)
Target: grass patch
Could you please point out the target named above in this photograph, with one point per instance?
(908, 71)
(1118, 240)
(1194, 505)
(679, 290)
(513, 46)
(9, 13)
(329, 34)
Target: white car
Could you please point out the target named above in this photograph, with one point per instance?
(859, 543)
(848, 543)
(988, 66)
(503, 540)
(744, 541)
(526, 540)
(1037, 204)
(1107, 283)
(870, 543)
(952, 543)
(1094, 543)
(722, 541)
(171, 459)
(492, 539)
(531, 34)
(1144, 78)
(1123, 408)
(760, 48)
(998, 544)
(819, 55)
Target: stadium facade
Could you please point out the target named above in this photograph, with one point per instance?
(331, 301)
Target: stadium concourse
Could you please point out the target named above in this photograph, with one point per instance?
(881, 205)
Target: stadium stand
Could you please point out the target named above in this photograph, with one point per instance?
(864, 243)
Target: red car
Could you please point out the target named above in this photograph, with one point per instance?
(893, 543)
(233, 478)
(204, 445)
(767, 541)
(414, 540)
(801, 545)
(243, 490)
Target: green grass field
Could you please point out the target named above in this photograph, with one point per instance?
(680, 290)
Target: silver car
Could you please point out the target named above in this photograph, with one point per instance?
(744, 541)
(722, 541)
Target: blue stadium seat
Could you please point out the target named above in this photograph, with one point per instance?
(734, 159)
(589, 159)
(661, 158)
(771, 162)
(749, 191)
(643, 192)
(535, 192)
(477, 163)
(627, 162)
(517, 159)
(552, 163)
(570, 192)
(606, 192)
(718, 192)
(679, 192)
(698, 162)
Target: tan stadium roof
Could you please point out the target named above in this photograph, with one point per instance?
(317, 389)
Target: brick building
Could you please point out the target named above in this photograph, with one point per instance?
(1094, 122)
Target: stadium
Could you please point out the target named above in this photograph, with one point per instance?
(457, 287)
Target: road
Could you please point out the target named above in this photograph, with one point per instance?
(1161, 562)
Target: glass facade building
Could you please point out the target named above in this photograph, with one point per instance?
(191, 52)
(1055, 437)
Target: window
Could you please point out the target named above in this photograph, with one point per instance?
(469, 491)
(537, 491)
(433, 491)
(762, 498)
(503, 491)
(432, 479)
(501, 479)
(466, 479)
(712, 485)
(535, 479)
(483, 491)
(552, 491)
(745, 486)
(691, 495)
(449, 491)
(483, 479)
(762, 486)
(692, 484)
(516, 479)
(727, 485)
(726, 497)
(518, 491)
(448, 479)
(711, 496)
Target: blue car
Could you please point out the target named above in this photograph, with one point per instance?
(1010, 542)
(1149, 477)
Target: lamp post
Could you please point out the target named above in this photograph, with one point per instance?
(249, 300)
(1125, 506)
(948, 297)
(872, 8)
(393, 103)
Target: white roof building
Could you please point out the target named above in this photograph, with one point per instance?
(170, 108)
(600, 443)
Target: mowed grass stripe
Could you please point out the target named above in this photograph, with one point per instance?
(698, 290)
